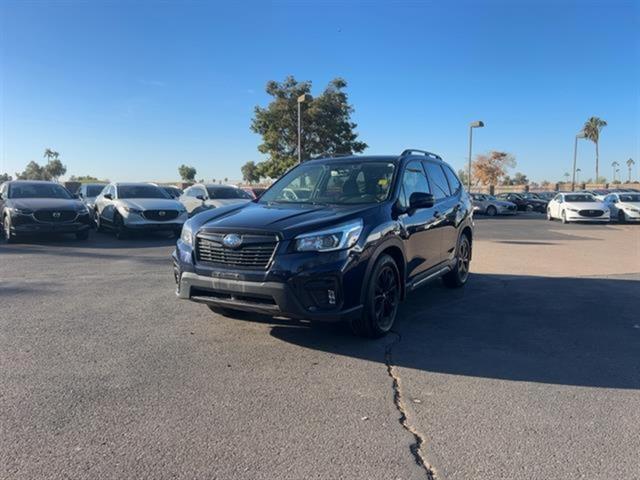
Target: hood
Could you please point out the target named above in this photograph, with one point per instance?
(151, 203)
(635, 205)
(288, 220)
(46, 203)
(586, 205)
(227, 201)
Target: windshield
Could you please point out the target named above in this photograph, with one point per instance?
(337, 183)
(94, 190)
(141, 191)
(173, 192)
(225, 193)
(629, 197)
(579, 198)
(38, 190)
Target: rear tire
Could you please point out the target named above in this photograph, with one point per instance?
(457, 277)
(491, 211)
(382, 298)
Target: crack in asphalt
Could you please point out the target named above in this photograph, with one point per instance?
(419, 440)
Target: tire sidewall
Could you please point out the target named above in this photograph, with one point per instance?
(369, 307)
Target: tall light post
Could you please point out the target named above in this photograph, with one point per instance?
(613, 166)
(301, 99)
(578, 175)
(580, 134)
(472, 125)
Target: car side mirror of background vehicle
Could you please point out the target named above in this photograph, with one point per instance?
(421, 200)
(200, 197)
(108, 196)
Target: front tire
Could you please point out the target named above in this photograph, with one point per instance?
(382, 299)
(622, 217)
(120, 229)
(6, 230)
(564, 217)
(549, 217)
(457, 277)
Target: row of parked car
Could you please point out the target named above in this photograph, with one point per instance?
(622, 205)
(31, 207)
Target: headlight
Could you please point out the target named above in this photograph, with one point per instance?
(132, 210)
(573, 209)
(187, 234)
(631, 209)
(22, 211)
(336, 238)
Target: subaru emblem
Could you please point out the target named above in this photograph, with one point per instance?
(232, 240)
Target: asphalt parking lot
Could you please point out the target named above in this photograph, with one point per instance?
(531, 371)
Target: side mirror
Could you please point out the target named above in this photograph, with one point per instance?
(108, 196)
(200, 197)
(421, 200)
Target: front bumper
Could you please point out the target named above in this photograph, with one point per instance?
(27, 225)
(575, 217)
(295, 286)
(154, 227)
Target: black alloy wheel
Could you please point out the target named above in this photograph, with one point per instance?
(382, 298)
(118, 225)
(460, 273)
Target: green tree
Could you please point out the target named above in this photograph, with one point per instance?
(55, 169)
(327, 128)
(250, 172)
(592, 129)
(187, 173)
(520, 179)
(34, 171)
(87, 179)
(5, 177)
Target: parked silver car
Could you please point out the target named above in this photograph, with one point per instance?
(88, 192)
(491, 206)
(201, 197)
(125, 207)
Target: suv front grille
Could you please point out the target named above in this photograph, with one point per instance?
(590, 213)
(160, 215)
(254, 252)
(55, 216)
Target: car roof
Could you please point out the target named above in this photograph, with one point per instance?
(134, 184)
(215, 185)
(33, 181)
(356, 158)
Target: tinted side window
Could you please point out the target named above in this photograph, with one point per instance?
(438, 180)
(454, 183)
(414, 180)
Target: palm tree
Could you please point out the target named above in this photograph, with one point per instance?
(49, 154)
(591, 129)
(630, 164)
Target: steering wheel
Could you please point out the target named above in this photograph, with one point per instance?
(289, 195)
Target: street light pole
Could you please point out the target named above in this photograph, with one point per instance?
(575, 157)
(578, 175)
(301, 99)
(472, 125)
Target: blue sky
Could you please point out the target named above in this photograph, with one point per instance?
(130, 90)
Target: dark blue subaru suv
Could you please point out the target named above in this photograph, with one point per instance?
(333, 239)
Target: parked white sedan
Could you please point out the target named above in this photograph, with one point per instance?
(577, 207)
(625, 207)
(127, 207)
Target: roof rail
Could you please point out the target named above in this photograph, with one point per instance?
(410, 151)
